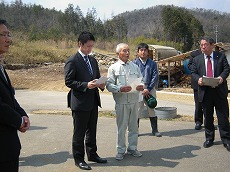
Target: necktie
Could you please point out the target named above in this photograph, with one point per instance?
(86, 59)
(3, 73)
(209, 67)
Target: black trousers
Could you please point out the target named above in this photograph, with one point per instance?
(213, 100)
(84, 134)
(9, 166)
(198, 116)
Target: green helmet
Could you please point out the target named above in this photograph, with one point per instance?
(151, 101)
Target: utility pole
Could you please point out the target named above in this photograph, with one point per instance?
(216, 31)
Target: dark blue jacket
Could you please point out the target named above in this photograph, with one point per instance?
(149, 72)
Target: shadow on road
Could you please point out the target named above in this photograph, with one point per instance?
(44, 159)
(168, 157)
(37, 128)
(163, 157)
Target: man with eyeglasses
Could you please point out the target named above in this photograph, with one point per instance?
(12, 117)
(5, 35)
(213, 64)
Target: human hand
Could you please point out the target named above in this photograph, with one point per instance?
(140, 87)
(126, 88)
(92, 84)
(101, 86)
(26, 124)
(221, 80)
(145, 92)
(200, 81)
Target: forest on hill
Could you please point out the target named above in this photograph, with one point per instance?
(149, 22)
(157, 25)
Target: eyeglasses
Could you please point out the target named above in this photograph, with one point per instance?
(204, 45)
(5, 35)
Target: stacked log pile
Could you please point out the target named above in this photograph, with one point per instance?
(179, 79)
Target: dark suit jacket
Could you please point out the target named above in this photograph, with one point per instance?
(77, 77)
(221, 68)
(193, 54)
(10, 121)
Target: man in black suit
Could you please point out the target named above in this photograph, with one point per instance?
(81, 74)
(12, 116)
(213, 64)
(198, 117)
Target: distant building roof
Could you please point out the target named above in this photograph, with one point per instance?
(162, 52)
(161, 47)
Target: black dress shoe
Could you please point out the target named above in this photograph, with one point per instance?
(83, 165)
(198, 126)
(208, 144)
(227, 146)
(97, 159)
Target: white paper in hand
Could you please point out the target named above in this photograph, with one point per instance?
(101, 80)
(134, 82)
(213, 82)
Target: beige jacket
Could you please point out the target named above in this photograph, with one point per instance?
(120, 74)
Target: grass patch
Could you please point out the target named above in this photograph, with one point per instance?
(186, 118)
(37, 53)
(111, 114)
(108, 114)
(52, 112)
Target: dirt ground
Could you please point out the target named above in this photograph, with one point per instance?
(45, 77)
(51, 78)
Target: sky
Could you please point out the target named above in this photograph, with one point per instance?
(106, 8)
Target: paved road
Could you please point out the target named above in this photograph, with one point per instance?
(47, 148)
(47, 145)
(48, 100)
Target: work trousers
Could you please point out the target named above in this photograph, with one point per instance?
(150, 111)
(126, 117)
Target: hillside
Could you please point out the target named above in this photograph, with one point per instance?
(42, 23)
(148, 22)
